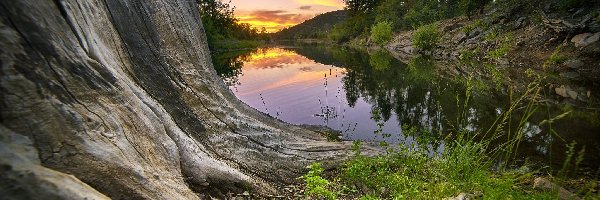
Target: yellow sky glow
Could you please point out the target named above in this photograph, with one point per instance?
(275, 15)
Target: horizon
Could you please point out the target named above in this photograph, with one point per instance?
(275, 15)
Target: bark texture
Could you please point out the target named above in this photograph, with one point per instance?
(122, 95)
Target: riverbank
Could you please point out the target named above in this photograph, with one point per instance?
(513, 46)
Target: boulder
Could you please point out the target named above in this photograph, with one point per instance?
(566, 92)
(574, 63)
(585, 39)
(543, 184)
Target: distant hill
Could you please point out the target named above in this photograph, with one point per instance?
(317, 27)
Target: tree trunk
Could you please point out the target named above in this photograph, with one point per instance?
(122, 95)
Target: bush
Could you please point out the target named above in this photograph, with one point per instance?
(381, 32)
(316, 186)
(426, 37)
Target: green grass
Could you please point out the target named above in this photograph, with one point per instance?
(504, 47)
(412, 173)
(555, 58)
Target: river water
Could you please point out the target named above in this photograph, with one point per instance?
(370, 96)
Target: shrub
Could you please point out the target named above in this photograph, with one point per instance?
(316, 186)
(381, 32)
(426, 37)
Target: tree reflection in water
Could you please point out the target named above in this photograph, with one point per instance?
(430, 107)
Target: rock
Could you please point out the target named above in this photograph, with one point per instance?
(118, 92)
(503, 61)
(465, 196)
(474, 33)
(585, 39)
(546, 185)
(520, 22)
(461, 36)
(565, 91)
(570, 75)
(574, 63)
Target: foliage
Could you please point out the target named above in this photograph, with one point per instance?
(555, 58)
(389, 11)
(220, 23)
(468, 7)
(426, 37)
(316, 186)
(315, 28)
(357, 7)
(423, 12)
(349, 29)
(381, 32)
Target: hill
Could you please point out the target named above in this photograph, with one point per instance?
(317, 27)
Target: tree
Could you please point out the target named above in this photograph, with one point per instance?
(468, 7)
(360, 6)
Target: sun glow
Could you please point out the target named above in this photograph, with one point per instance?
(275, 15)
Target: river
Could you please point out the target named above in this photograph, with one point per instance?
(371, 96)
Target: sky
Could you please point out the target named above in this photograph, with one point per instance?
(277, 14)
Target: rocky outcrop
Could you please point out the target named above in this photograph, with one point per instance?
(121, 94)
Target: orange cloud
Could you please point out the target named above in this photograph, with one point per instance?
(272, 20)
(331, 3)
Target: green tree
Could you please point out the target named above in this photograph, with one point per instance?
(361, 6)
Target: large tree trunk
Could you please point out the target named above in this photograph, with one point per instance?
(122, 95)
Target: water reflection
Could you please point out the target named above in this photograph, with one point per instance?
(371, 95)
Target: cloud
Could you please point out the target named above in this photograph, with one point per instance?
(331, 3)
(272, 20)
(305, 7)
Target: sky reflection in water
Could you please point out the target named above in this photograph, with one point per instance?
(298, 90)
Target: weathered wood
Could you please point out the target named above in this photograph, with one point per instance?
(122, 95)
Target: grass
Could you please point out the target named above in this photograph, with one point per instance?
(555, 58)
(411, 172)
(504, 47)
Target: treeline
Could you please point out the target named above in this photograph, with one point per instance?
(399, 14)
(410, 14)
(221, 25)
(315, 28)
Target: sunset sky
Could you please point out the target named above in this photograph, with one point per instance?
(277, 14)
